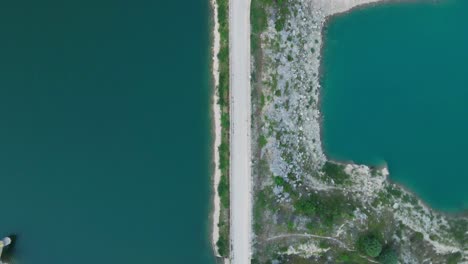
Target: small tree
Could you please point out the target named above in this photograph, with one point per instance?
(371, 246)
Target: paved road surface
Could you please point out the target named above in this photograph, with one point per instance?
(241, 207)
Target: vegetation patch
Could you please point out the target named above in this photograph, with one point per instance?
(370, 246)
(258, 19)
(335, 172)
(324, 209)
(223, 101)
(262, 141)
(263, 201)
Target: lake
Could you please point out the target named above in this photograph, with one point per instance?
(395, 92)
(105, 131)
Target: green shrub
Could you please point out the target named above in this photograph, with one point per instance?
(279, 181)
(394, 191)
(262, 141)
(223, 191)
(225, 120)
(305, 206)
(343, 257)
(324, 244)
(417, 237)
(370, 246)
(335, 172)
(223, 246)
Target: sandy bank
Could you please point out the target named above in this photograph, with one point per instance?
(217, 126)
(331, 7)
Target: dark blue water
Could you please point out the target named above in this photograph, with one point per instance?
(104, 131)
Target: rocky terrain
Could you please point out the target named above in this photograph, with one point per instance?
(308, 209)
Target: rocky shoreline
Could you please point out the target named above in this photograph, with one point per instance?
(291, 162)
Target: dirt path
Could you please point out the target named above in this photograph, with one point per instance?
(310, 235)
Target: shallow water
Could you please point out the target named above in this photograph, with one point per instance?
(104, 131)
(395, 91)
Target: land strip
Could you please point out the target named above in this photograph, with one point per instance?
(220, 104)
(217, 128)
(297, 189)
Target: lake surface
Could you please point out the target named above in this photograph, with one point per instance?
(395, 91)
(105, 131)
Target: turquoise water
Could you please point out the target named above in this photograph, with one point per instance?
(105, 131)
(395, 91)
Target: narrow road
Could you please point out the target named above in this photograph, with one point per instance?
(240, 180)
